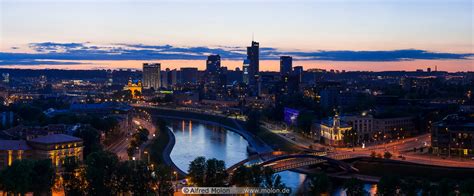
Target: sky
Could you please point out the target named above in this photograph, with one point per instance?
(373, 35)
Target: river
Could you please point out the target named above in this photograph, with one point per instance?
(195, 139)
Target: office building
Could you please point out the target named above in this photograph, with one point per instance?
(152, 75)
(298, 73)
(454, 135)
(286, 64)
(246, 74)
(189, 75)
(164, 78)
(253, 61)
(213, 63)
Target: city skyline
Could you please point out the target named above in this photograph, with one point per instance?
(345, 35)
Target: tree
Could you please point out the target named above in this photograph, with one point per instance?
(248, 176)
(319, 184)
(467, 187)
(91, 138)
(388, 185)
(445, 187)
(143, 134)
(74, 181)
(17, 178)
(304, 121)
(207, 173)
(387, 155)
(215, 173)
(42, 176)
(373, 155)
(427, 188)
(350, 137)
(197, 171)
(99, 172)
(272, 180)
(30, 114)
(161, 179)
(354, 187)
(410, 186)
(241, 176)
(253, 121)
(132, 176)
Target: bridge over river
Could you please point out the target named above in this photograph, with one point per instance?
(281, 161)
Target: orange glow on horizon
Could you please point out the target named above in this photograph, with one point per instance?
(271, 65)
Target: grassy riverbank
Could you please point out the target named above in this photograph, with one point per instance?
(275, 141)
(157, 147)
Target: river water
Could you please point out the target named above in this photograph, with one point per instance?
(194, 139)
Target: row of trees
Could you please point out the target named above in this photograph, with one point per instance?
(320, 184)
(391, 185)
(24, 176)
(394, 185)
(100, 174)
(138, 138)
(212, 173)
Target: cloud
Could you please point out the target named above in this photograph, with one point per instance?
(37, 62)
(51, 53)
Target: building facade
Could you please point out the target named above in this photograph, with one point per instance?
(370, 128)
(55, 147)
(213, 63)
(453, 136)
(286, 65)
(332, 131)
(253, 60)
(152, 75)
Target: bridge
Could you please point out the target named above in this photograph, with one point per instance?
(281, 161)
(266, 157)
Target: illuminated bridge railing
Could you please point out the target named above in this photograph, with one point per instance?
(343, 156)
(294, 164)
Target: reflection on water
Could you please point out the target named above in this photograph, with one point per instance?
(292, 180)
(195, 139)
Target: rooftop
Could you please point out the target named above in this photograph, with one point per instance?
(14, 145)
(56, 138)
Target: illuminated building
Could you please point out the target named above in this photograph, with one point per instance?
(245, 75)
(135, 88)
(55, 147)
(332, 131)
(454, 135)
(253, 58)
(152, 75)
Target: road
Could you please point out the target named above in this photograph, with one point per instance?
(402, 147)
(120, 145)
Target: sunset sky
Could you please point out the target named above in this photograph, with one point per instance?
(372, 35)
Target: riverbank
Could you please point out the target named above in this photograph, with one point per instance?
(160, 149)
(231, 124)
(381, 167)
(262, 141)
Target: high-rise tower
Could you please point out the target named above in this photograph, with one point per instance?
(286, 64)
(253, 60)
(152, 75)
(213, 63)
